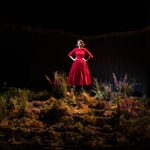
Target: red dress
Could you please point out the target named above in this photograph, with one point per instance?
(79, 73)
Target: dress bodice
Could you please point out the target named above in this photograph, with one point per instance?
(80, 53)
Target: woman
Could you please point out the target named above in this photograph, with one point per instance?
(79, 74)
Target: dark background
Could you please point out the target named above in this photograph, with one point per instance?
(35, 40)
(79, 17)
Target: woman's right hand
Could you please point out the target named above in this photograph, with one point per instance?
(74, 59)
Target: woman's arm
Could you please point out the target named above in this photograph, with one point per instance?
(72, 53)
(72, 58)
(89, 54)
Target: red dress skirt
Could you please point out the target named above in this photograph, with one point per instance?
(79, 73)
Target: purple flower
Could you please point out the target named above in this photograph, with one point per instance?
(115, 80)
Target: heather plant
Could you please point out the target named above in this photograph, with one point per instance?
(54, 112)
(22, 98)
(38, 95)
(11, 92)
(13, 98)
(3, 106)
(130, 106)
(71, 97)
(79, 126)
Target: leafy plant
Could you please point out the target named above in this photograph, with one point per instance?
(59, 83)
(107, 91)
(97, 89)
(122, 88)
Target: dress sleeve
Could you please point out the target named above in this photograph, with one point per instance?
(89, 54)
(72, 52)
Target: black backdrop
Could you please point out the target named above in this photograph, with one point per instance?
(27, 54)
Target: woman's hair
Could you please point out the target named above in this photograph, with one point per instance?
(81, 41)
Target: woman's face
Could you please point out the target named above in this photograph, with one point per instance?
(79, 44)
